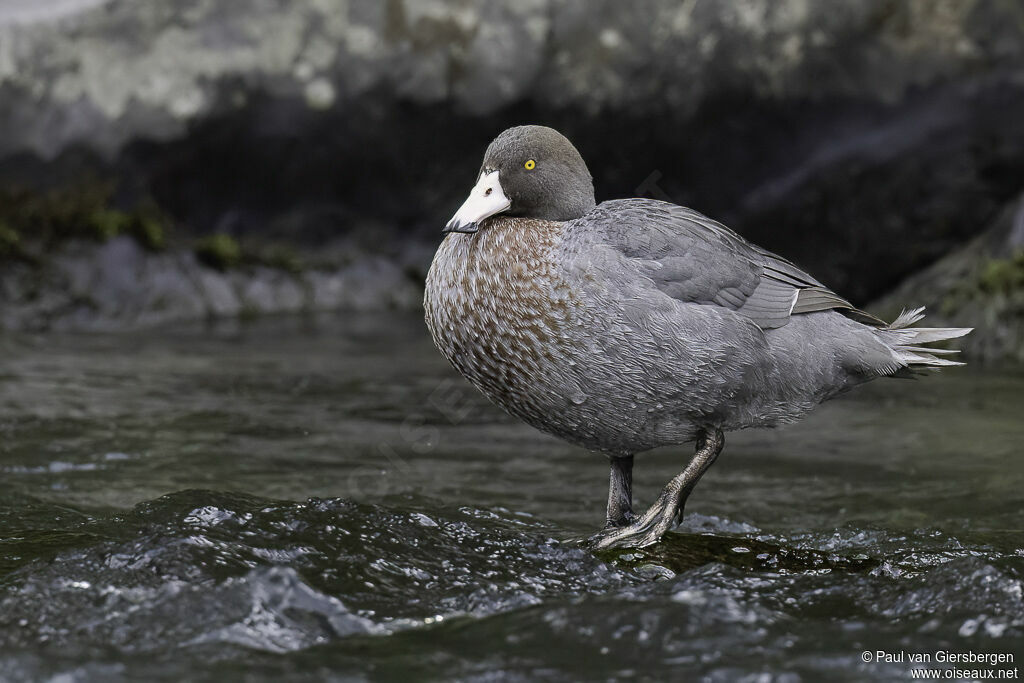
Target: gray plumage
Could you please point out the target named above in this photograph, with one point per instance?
(638, 323)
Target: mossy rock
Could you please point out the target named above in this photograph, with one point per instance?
(10, 240)
(987, 278)
(1002, 275)
(278, 256)
(224, 252)
(107, 224)
(219, 251)
(149, 230)
(82, 211)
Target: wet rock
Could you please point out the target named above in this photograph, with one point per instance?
(166, 293)
(115, 269)
(120, 286)
(392, 290)
(218, 293)
(263, 289)
(328, 290)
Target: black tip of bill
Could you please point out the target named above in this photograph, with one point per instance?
(454, 225)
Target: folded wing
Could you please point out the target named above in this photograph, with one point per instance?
(692, 258)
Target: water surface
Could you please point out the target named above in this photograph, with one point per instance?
(325, 499)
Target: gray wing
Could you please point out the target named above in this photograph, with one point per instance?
(692, 258)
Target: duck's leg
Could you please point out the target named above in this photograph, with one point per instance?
(649, 528)
(620, 492)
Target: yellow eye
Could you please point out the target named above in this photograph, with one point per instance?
(530, 163)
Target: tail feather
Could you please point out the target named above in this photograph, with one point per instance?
(905, 341)
(929, 349)
(907, 318)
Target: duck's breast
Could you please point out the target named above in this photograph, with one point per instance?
(499, 308)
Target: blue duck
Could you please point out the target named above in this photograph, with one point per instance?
(636, 323)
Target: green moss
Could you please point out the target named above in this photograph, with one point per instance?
(950, 304)
(223, 252)
(277, 256)
(105, 224)
(83, 211)
(10, 240)
(33, 222)
(149, 231)
(219, 251)
(990, 277)
(1002, 275)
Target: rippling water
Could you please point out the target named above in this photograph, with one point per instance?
(324, 499)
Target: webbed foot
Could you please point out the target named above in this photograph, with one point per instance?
(653, 524)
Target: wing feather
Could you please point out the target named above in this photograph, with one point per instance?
(690, 257)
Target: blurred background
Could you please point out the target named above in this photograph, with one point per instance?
(168, 161)
(196, 486)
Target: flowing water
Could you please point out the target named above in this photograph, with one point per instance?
(325, 499)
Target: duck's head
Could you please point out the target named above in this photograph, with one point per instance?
(528, 171)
